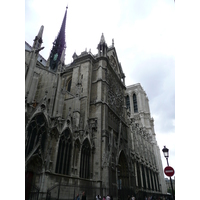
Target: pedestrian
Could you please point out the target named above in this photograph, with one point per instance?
(77, 197)
(104, 198)
(132, 198)
(83, 196)
(98, 197)
(108, 197)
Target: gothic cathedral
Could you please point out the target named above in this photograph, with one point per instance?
(85, 129)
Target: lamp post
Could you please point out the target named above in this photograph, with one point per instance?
(166, 154)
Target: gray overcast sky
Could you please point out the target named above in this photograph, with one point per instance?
(143, 33)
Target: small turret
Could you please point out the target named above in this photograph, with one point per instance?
(38, 39)
(102, 47)
(29, 76)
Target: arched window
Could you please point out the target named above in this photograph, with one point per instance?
(68, 85)
(36, 134)
(85, 160)
(128, 102)
(64, 153)
(135, 103)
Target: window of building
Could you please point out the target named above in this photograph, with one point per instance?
(64, 153)
(128, 102)
(68, 86)
(36, 134)
(135, 103)
(85, 160)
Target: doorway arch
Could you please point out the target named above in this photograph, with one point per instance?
(123, 176)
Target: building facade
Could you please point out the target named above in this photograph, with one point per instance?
(85, 130)
(168, 184)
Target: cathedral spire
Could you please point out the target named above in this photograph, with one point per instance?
(61, 35)
(58, 46)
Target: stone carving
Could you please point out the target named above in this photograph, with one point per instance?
(76, 118)
(106, 159)
(78, 89)
(91, 126)
(54, 134)
(48, 160)
(113, 63)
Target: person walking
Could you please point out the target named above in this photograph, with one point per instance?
(108, 197)
(83, 196)
(98, 197)
(77, 197)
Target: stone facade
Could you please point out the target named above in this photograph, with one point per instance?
(82, 132)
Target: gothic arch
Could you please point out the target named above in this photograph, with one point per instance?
(64, 153)
(68, 124)
(85, 162)
(68, 84)
(123, 171)
(36, 113)
(36, 135)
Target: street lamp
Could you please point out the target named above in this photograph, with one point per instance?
(166, 154)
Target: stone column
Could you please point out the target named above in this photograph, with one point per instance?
(30, 71)
(150, 186)
(33, 86)
(145, 173)
(140, 167)
(152, 174)
(156, 182)
(136, 176)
